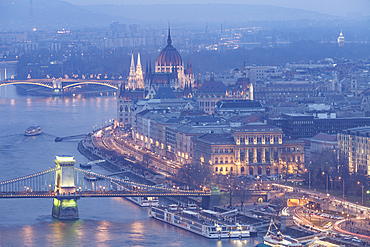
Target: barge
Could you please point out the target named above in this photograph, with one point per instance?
(207, 223)
(144, 201)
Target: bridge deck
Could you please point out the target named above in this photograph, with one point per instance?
(46, 194)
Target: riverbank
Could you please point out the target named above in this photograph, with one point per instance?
(86, 148)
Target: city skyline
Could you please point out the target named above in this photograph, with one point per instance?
(234, 117)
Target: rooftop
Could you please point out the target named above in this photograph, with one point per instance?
(216, 138)
(256, 127)
(211, 86)
(235, 104)
(325, 137)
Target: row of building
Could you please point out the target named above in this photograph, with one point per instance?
(188, 136)
(264, 120)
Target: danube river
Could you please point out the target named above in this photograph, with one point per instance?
(103, 221)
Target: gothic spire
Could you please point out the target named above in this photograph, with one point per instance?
(139, 73)
(138, 60)
(169, 41)
(132, 60)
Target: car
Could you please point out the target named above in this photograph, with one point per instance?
(347, 238)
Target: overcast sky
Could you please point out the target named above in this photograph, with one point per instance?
(333, 7)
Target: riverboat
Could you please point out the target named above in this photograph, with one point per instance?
(205, 223)
(33, 131)
(144, 201)
(278, 239)
(85, 166)
(90, 177)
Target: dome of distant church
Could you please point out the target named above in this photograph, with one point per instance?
(169, 55)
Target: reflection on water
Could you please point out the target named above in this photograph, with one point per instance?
(28, 236)
(103, 221)
(103, 232)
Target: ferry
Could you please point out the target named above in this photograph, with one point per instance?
(89, 164)
(278, 239)
(90, 177)
(33, 131)
(85, 166)
(206, 223)
(144, 201)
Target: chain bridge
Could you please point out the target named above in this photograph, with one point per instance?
(66, 184)
(59, 85)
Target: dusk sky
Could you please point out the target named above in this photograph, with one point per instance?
(333, 7)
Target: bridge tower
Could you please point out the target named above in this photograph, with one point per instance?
(208, 202)
(57, 85)
(65, 203)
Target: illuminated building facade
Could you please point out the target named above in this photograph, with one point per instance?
(252, 149)
(211, 92)
(135, 78)
(354, 143)
(169, 70)
(124, 108)
(341, 39)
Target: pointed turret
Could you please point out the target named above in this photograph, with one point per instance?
(139, 73)
(132, 61)
(169, 41)
(132, 76)
(189, 69)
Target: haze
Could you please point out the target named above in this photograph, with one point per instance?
(348, 8)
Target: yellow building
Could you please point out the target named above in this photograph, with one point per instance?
(252, 149)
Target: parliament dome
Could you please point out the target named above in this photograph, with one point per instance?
(169, 56)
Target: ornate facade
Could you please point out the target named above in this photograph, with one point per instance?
(253, 149)
(124, 109)
(135, 79)
(169, 70)
(211, 92)
(354, 143)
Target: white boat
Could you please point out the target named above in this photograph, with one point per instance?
(33, 131)
(144, 201)
(90, 177)
(201, 222)
(278, 239)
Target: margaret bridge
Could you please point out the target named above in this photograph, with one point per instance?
(66, 184)
(59, 85)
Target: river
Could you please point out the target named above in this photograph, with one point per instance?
(103, 221)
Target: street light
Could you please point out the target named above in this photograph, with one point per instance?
(343, 185)
(327, 182)
(362, 193)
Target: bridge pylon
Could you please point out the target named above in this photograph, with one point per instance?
(65, 203)
(208, 202)
(57, 85)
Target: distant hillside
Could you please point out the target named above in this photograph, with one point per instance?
(15, 15)
(55, 14)
(206, 12)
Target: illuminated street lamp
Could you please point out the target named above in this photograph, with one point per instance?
(327, 182)
(343, 185)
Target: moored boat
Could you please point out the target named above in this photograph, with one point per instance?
(278, 239)
(90, 177)
(206, 223)
(33, 131)
(144, 201)
(85, 166)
